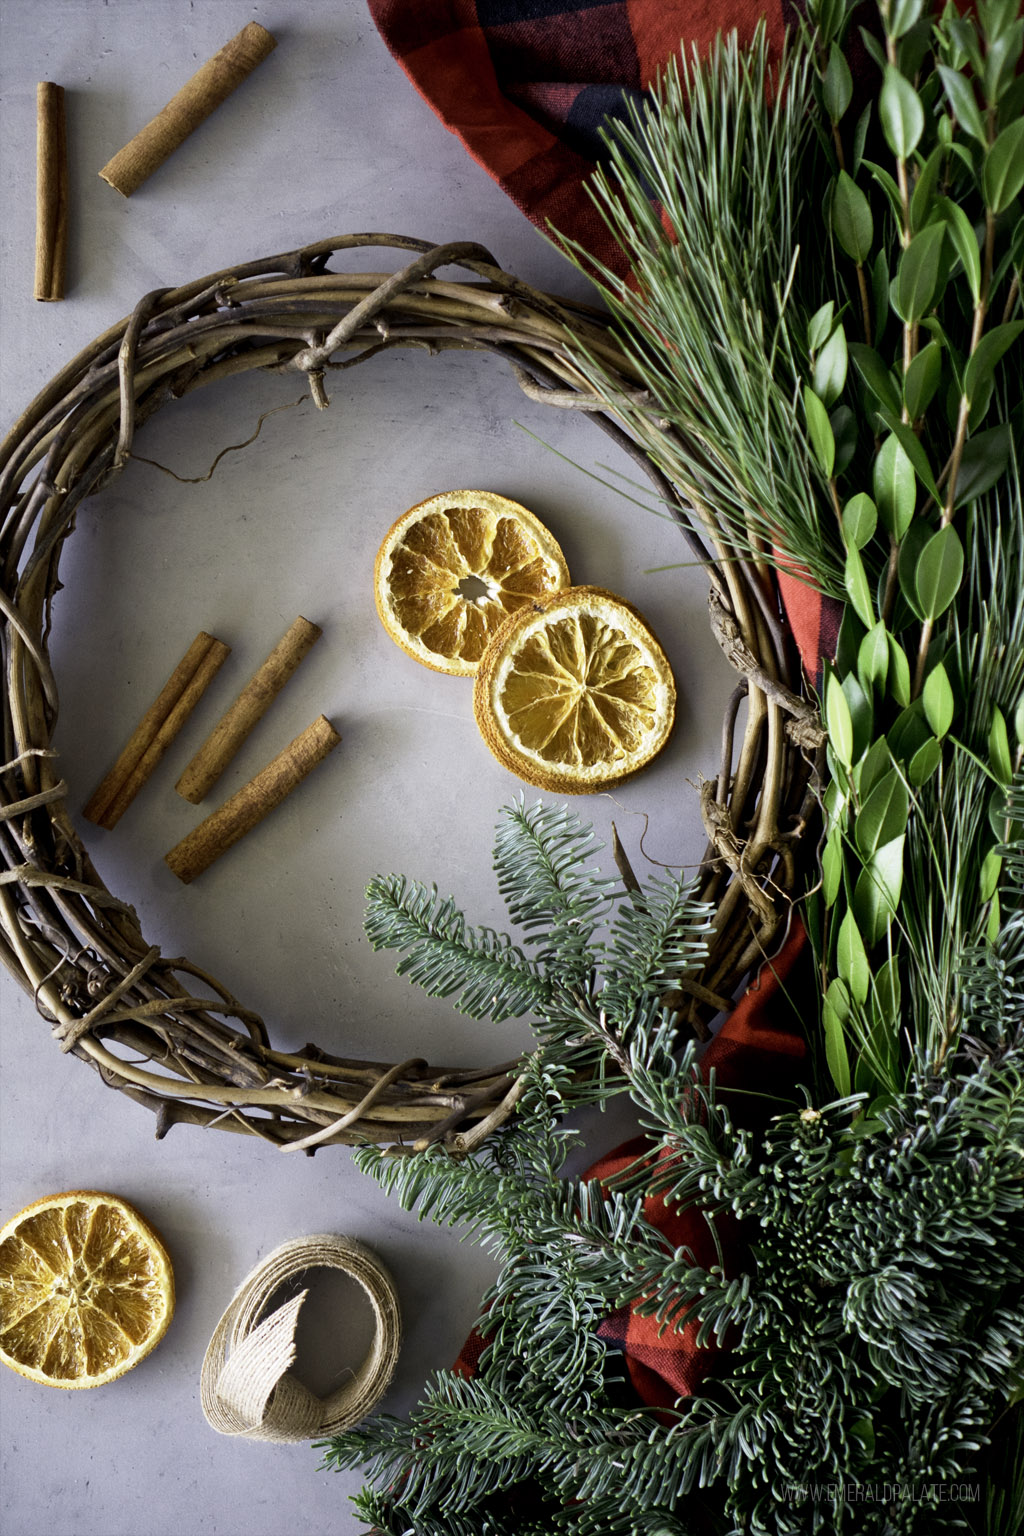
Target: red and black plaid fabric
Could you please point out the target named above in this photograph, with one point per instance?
(526, 85)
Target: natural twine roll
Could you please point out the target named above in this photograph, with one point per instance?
(246, 1387)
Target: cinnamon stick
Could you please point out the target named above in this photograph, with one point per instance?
(255, 800)
(51, 192)
(156, 730)
(211, 84)
(251, 705)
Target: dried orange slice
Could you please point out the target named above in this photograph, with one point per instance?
(453, 568)
(574, 692)
(86, 1289)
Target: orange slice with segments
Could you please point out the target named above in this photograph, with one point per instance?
(86, 1289)
(574, 692)
(453, 568)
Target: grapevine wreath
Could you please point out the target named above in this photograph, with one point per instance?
(199, 1055)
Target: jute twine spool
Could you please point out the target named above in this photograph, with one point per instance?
(246, 1386)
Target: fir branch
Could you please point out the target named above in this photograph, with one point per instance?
(540, 855)
(484, 971)
(657, 939)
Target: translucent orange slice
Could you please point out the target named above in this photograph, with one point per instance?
(574, 692)
(86, 1289)
(453, 568)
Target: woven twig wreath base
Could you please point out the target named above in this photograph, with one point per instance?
(197, 1054)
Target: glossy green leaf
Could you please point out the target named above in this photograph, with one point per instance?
(908, 732)
(924, 762)
(938, 701)
(834, 801)
(961, 97)
(836, 85)
(924, 188)
(836, 1054)
(858, 589)
(883, 814)
(860, 519)
(873, 766)
(940, 569)
(819, 326)
(844, 430)
(832, 865)
(852, 960)
(852, 221)
(991, 870)
(917, 274)
(874, 46)
(880, 296)
(877, 892)
(899, 672)
(819, 431)
(911, 53)
(1018, 721)
(830, 368)
(838, 720)
(917, 537)
(902, 15)
(895, 487)
(1001, 59)
(860, 135)
(914, 450)
(901, 113)
(964, 241)
(995, 922)
(985, 459)
(990, 349)
(862, 714)
(999, 756)
(922, 380)
(964, 33)
(889, 187)
(1003, 173)
(875, 375)
(886, 993)
(997, 812)
(851, 633)
(873, 657)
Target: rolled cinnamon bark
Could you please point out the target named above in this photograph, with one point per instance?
(251, 705)
(255, 800)
(51, 192)
(212, 84)
(156, 730)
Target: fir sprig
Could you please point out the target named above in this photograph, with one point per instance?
(489, 976)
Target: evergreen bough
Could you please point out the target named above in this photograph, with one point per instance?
(874, 1332)
(833, 324)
